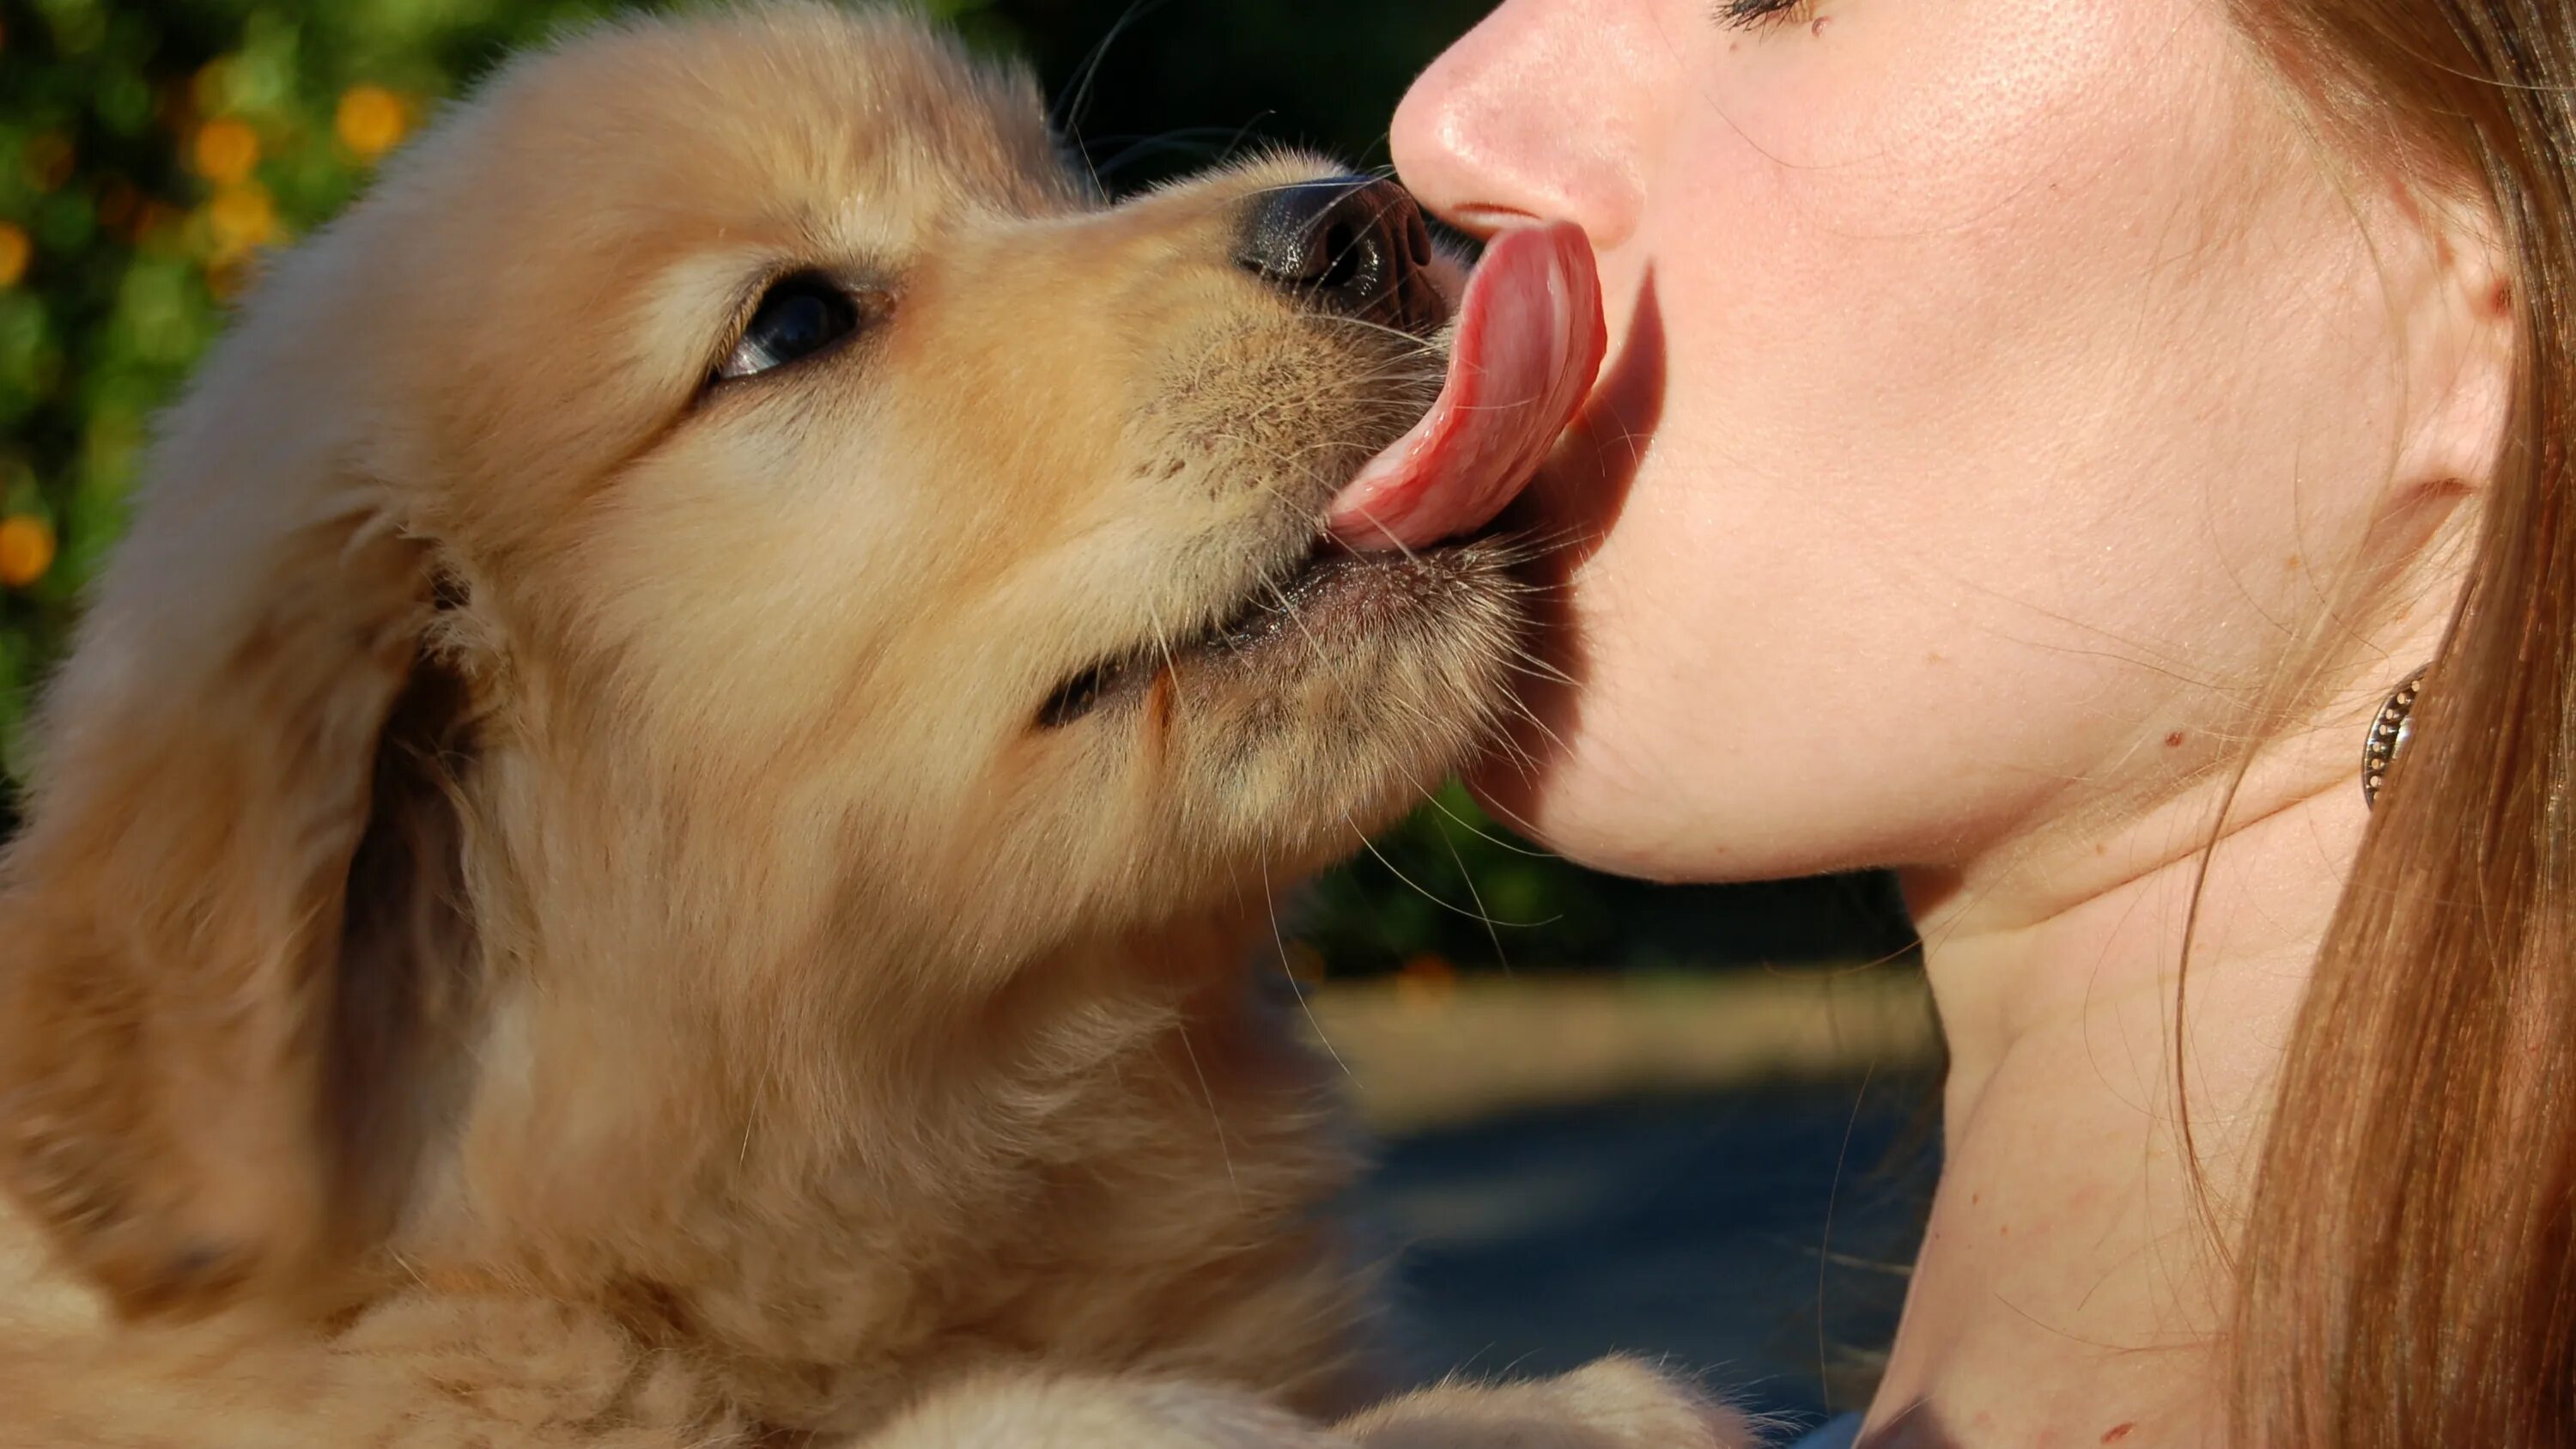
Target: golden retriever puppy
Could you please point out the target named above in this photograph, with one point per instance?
(652, 840)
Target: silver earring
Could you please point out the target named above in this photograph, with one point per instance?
(2388, 735)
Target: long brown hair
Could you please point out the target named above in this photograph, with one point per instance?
(2407, 1268)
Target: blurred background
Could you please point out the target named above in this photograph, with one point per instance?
(1693, 1122)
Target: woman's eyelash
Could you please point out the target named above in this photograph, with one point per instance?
(1753, 14)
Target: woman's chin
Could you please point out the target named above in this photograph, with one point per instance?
(1535, 793)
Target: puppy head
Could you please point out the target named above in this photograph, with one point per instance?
(731, 529)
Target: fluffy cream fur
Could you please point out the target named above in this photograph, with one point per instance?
(553, 913)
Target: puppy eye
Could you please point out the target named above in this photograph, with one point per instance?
(797, 317)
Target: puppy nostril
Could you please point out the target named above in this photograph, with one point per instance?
(1339, 243)
(1351, 263)
(1344, 245)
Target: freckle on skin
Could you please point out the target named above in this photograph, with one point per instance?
(2174, 741)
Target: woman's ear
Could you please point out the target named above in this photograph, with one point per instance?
(2463, 338)
(238, 883)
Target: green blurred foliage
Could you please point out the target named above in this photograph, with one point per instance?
(1450, 889)
(150, 152)
(146, 153)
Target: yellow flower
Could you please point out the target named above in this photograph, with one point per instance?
(26, 549)
(15, 252)
(241, 217)
(370, 120)
(225, 151)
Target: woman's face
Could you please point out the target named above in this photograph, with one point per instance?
(1990, 382)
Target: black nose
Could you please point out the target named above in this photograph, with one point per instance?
(1345, 245)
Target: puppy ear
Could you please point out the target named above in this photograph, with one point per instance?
(196, 1023)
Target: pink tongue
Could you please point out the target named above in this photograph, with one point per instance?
(1529, 340)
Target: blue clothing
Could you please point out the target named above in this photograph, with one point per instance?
(1839, 1433)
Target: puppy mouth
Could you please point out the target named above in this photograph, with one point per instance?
(1328, 594)
(1524, 348)
(1419, 518)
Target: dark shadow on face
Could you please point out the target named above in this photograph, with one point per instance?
(1568, 510)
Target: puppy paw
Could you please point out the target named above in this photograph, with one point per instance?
(1613, 1403)
(1078, 1412)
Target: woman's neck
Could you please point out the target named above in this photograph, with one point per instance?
(2073, 1276)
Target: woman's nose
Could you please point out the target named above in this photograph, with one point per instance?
(1537, 112)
